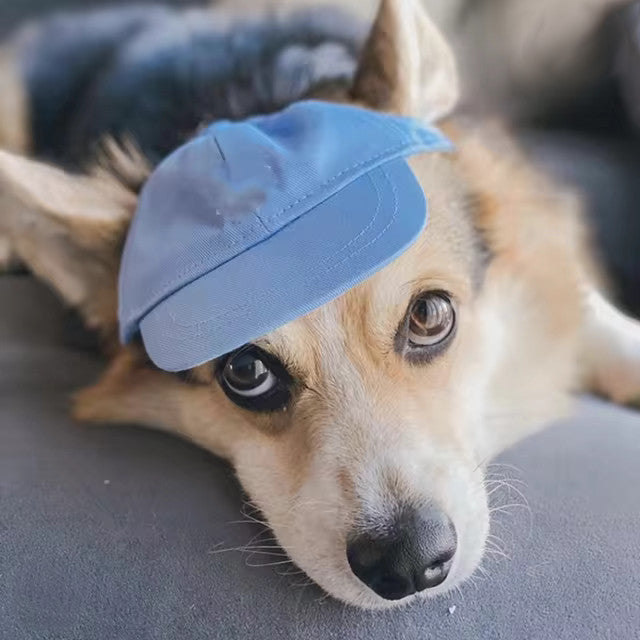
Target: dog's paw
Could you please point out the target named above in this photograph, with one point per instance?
(620, 383)
(615, 357)
(9, 262)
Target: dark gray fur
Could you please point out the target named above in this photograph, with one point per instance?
(156, 74)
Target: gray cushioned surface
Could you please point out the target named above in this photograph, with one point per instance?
(85, 559)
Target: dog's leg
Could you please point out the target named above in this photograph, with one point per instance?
(6, 255)
(611, 351)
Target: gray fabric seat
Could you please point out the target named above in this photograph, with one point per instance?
(115, 533)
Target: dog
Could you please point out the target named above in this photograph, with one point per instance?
(371, 468)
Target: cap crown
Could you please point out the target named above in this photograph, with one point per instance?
(238, 183)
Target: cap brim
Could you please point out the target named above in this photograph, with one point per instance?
(314, 259)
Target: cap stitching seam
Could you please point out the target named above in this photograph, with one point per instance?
(386, 228)
(363, 230)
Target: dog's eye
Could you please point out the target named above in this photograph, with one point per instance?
(432, 319)
(247, 375)
(255, 380)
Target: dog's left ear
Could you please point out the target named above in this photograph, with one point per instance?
(406, 66)
(69, 230)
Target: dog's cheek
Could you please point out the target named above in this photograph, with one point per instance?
(266, 472)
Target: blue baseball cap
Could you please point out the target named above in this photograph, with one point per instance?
(252, 224)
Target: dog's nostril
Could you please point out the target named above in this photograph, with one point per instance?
(415, 554)
(433, 575)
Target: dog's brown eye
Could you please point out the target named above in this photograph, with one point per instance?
(247, 375)
(255, 380)
(431, 320)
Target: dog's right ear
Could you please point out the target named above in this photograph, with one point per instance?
(69, 230)
(406, 66)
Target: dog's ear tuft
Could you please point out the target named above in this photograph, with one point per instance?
(69, 230)
(406, 66)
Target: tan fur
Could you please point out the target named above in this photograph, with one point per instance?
(610, 367)
(14, 131)
(366, 431)
(416, 76)
(14, 115)
(69, 230)
(533, 228)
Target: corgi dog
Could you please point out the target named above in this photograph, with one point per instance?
(394, 396)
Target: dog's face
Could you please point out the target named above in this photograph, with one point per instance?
(354, 428)
(360, 430)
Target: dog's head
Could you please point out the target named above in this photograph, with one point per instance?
(359, 430)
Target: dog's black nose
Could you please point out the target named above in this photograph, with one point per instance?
(413, 554)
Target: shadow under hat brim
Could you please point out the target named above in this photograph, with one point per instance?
(310, 261)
